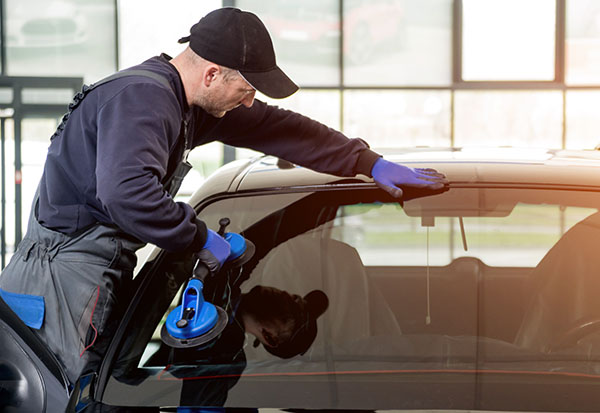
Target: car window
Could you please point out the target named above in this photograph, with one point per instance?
(440, 294)
(385, 235)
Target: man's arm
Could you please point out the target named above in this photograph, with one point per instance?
(295, 138)
(306, 142)
(135, 137)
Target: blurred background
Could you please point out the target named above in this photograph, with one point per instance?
(397, 73)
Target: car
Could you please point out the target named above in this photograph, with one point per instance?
(55, 23)
(478, 296)
(311, 29)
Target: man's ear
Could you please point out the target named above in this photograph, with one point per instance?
(210, 74)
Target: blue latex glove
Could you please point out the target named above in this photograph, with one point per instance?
(215, 252)
(389, 176)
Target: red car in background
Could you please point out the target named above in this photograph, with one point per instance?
(312, 28)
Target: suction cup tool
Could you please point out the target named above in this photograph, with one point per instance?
(195, 322)
(242, 250)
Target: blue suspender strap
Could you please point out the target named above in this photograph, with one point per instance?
(29, 308)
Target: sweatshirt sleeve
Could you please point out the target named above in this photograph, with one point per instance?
(134, 143)
(295, 138)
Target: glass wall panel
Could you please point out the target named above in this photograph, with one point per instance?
(35, 139)
(582, 47)
(306, 36)
(398, 118)
(583, 122)
(508, 39)
(150, 27)
(383, 235)
(9, 153)
(493, 238)
(60, 38)
(508, 118)
(321, 105)
(205, 160)
(397, 43)
(6, 95)
(47, 96)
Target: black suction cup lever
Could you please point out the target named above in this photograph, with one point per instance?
(223, 223)
(188, 313)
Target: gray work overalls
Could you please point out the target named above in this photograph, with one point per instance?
(83, 277)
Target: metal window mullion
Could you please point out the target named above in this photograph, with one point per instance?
(457, 41)
(229, 153)
(452, 117)
(3, 191)
(2, 37)
(457, 28)
(116, 5)
(342, 84)
(559, 47)
(18, 119)
(564, 119)
(560, 64)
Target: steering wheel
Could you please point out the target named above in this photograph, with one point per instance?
(582, 328)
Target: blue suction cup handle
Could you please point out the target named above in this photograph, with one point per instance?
(204, 315)
(192, 298)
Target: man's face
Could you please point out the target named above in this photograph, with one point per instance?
(274, 324)
(225, 94)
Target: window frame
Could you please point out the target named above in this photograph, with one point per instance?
(457, 83)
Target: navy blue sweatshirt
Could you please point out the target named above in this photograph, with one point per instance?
(119, 145)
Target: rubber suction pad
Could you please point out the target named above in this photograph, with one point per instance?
(241, 258)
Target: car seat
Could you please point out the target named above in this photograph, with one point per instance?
(311, 261)
(564, 301)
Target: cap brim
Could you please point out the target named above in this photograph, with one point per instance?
(274, 83)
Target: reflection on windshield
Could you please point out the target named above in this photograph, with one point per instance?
(284, 324)
(399, 301)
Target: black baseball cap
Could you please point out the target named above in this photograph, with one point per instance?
(239, 40)
(315, 304)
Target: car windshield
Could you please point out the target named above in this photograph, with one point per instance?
(475, 298)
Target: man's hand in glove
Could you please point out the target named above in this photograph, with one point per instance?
(389, 176)
(215, 252)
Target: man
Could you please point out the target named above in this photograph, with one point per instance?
(117, 159)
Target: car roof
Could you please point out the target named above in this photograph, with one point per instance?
(518, 166)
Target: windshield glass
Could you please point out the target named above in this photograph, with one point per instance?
(475, 298)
